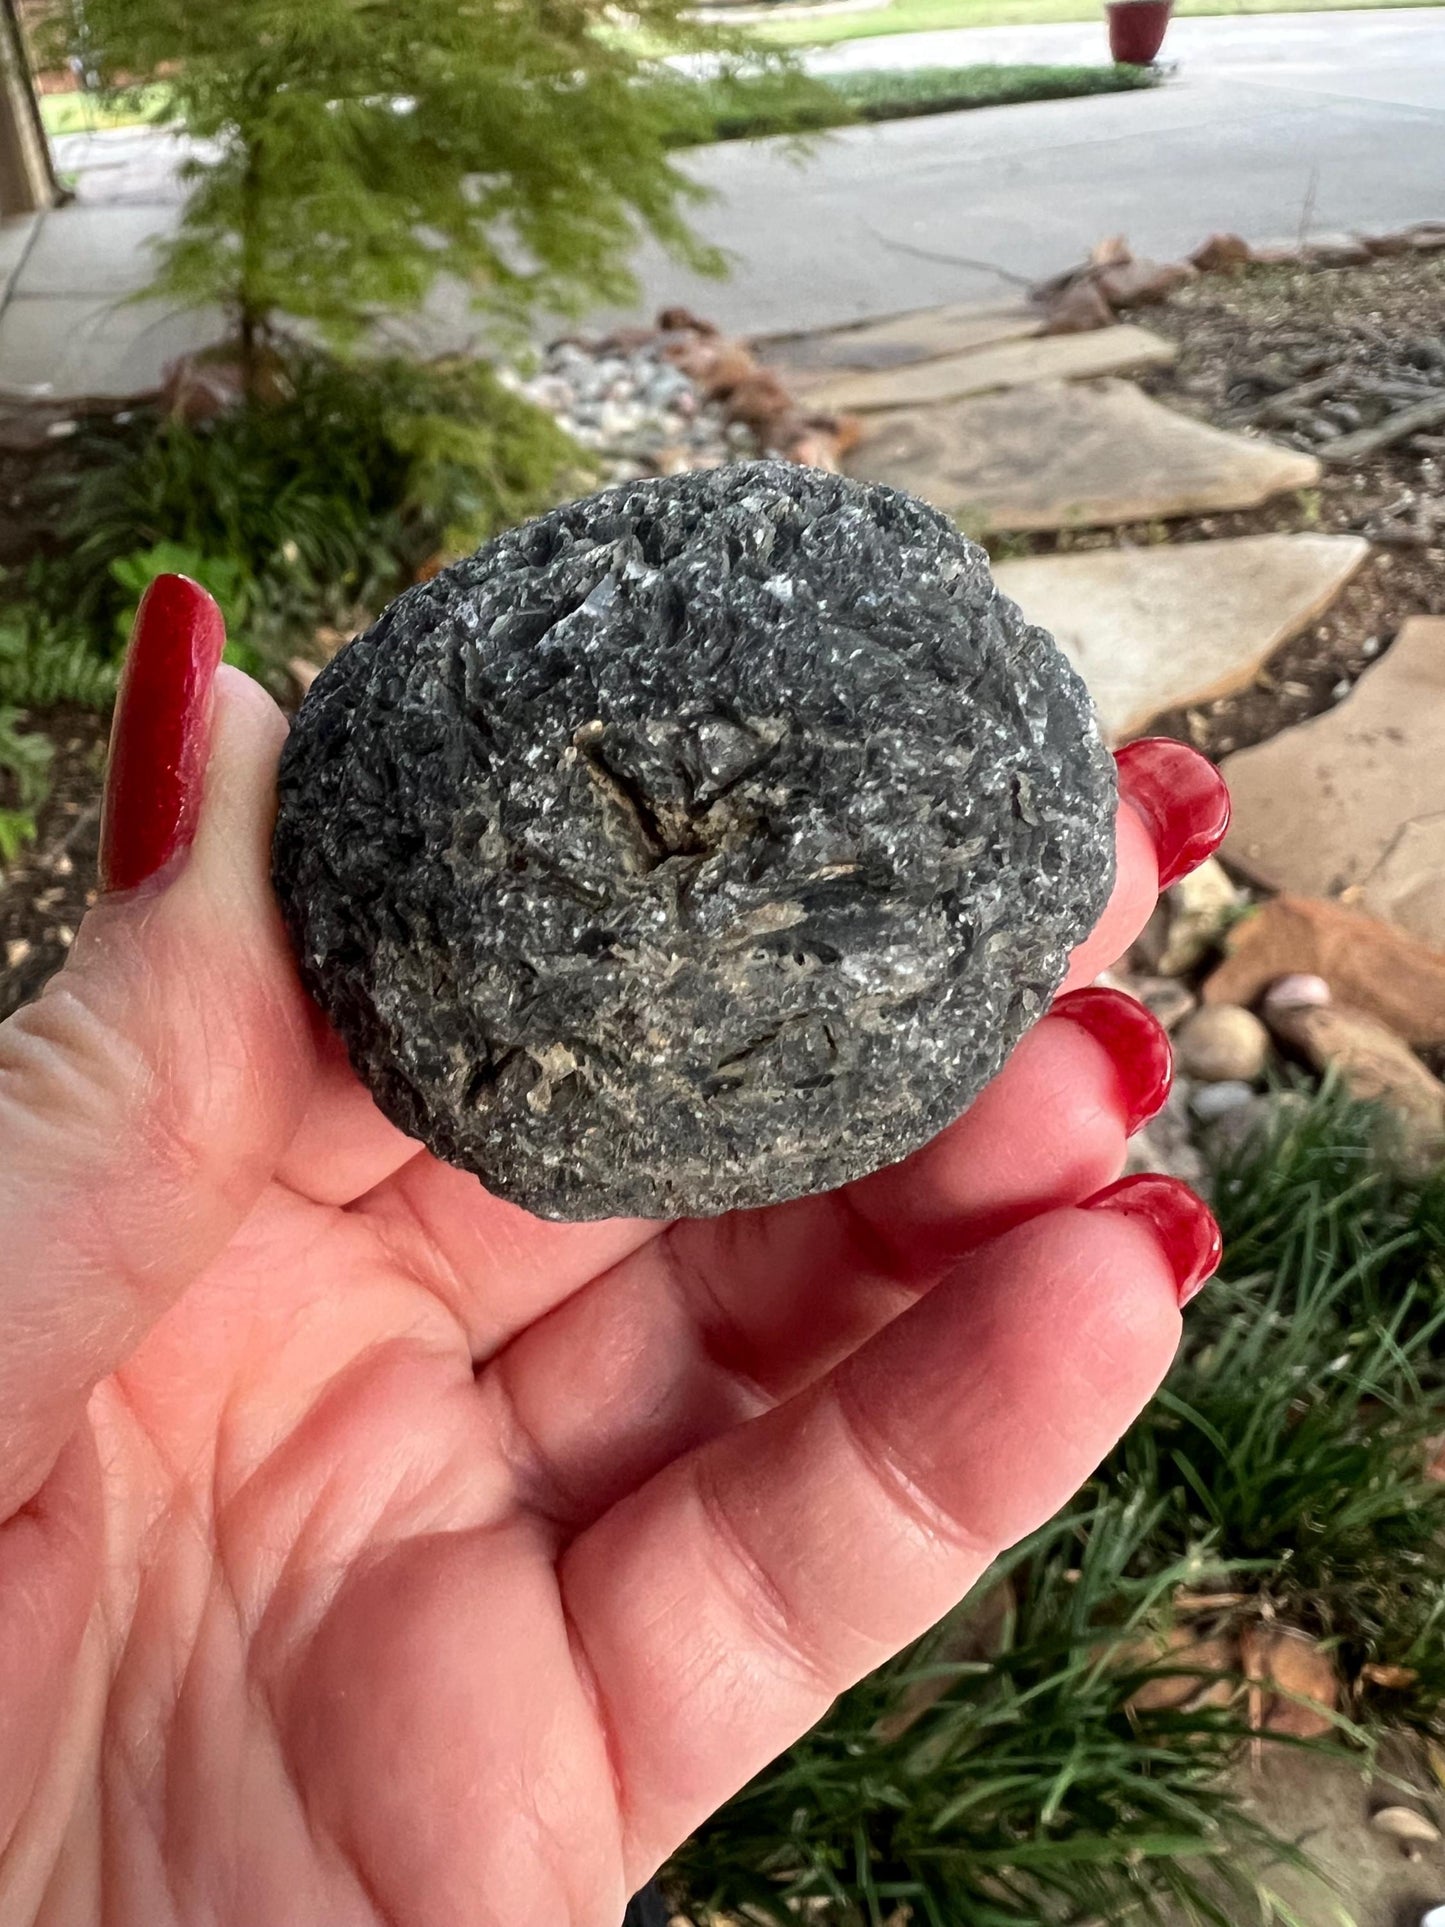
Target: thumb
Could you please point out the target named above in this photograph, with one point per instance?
(146, 1096)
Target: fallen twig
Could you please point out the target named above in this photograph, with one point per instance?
(1394, 428)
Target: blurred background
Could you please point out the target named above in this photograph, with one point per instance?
(306, 298)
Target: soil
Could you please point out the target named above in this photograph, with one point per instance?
(1241, 338)
(45, 895)
(1281, 323)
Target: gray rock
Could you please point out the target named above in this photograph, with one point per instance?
(1256, 1119)
(704, 843)
(1166, 1142)
(1212, 1101)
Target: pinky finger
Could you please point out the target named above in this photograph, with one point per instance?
(723, 1605)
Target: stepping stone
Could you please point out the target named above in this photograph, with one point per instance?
(1369, 965)
(807, 360)
(1057, 457)
(1354, 800)
(1121, 350)
(1151, 628)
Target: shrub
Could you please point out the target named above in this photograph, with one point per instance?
(25, 759)
(298, 508)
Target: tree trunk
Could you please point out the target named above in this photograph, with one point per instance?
(252, 313)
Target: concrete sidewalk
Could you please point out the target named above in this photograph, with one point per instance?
(1271, 123)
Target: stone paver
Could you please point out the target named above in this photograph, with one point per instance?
(1123, 350)
(1061, 455)
(1355, 799)
(806, 361)
(1370, 965)
(1150, 628)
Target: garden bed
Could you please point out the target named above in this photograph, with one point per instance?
(1239, 336)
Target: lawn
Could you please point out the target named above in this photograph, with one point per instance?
(919, 16)
(79, 113)
(740, 112)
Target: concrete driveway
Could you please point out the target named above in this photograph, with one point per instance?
(1270, 124)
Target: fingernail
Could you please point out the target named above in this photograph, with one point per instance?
(1136, 1042)
(1181, 797)
(1183, 1224)
(159, 738)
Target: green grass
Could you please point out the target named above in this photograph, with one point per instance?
(80, 113)
(919, 16)
(1003, 1772)
(781, 105)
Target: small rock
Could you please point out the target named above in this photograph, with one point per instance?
(1181, 1657)
(1222, 253)
(1167, 1144)
(716, 366)
(17, 949)
(680, 320)
(814, 449)
(1077, 310)
(1213, 1101)
(1112, 252)
(1374, 1066)
(1139, 284)
(63, 865)
(1337, 251)
(1289, 993)
(1304, 1684)
(1284, 255)
(1381, 244)
(1392, 1679)
(1227, 1134)
(1369, 965)
(1404, 1824)
(762, 404)
(1166, 997)
(1201, 908)
(1222, 1043)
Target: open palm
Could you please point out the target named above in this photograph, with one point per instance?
(378, 1552)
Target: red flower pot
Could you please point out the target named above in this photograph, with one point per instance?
(1136, 30)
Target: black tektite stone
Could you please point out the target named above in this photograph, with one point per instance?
(706, 842)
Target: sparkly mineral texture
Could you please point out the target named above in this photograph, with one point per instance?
(704, 843)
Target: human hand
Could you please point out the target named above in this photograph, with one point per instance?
(377, 1552)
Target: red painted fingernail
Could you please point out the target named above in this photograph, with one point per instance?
(1183, 1224)
(1181, 796)
(1137, 1044)
(161, 732)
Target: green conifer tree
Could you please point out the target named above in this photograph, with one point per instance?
(347, 153)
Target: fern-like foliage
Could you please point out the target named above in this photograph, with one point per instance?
(42, 667)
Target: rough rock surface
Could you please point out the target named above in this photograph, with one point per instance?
(701, 844)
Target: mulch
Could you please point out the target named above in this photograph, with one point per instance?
(1273, 322)
(45, 895)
